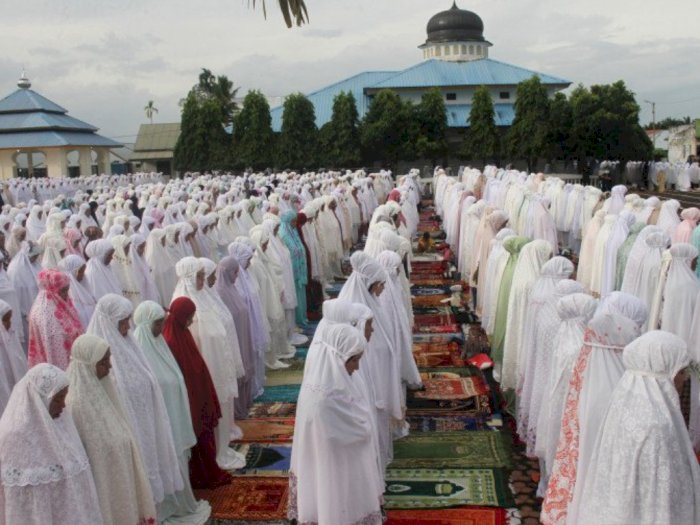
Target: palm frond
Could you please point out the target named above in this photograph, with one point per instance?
(293, 11)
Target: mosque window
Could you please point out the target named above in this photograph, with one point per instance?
(455, 49)
(447, 50)
(471, 50)
(438, 51)
(504, 95)
(451, 96)
(464, 49)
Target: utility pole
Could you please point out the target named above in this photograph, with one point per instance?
(653, 118)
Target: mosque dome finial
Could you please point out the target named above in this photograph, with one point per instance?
(23, 82)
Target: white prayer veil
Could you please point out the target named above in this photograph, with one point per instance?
(643, 469)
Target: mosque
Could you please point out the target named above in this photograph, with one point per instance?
(455, 60)
(37, 136)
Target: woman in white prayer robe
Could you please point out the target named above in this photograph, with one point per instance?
(161, 264)
(74, 267)
(142, 272)
(13, 360)
(656, 258)
(268, 276)
(530, 261)
(99, 275)
(600, 252)
(23, 272)
(46, 472)
(643, 469)
(123, 490)
(620, 319)
(668, 216)
(618, 233)
(635, 258)
(468, 227)
(181, 507)
(574, 312)
(676, 293)
(123, 268)
(541, 322)
(333, 439)
(209, 332)
(141, 394)
(493, 223)
(365, 286)
(585, 262)
(491, 281)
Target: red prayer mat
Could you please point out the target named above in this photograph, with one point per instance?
(443, 388)
(434, 319)
(249, 499)
(268, 430)
(457, 516)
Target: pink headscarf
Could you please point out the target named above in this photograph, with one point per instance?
(71, 235)
(684, 230)
(53, 322)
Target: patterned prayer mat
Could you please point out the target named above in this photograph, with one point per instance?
(280, 394)
(284, 376)
(263, 410)
(477, 449)
(446, 424)
(430, 488)
(437, 329)
(249, 499)
(438, 338)
(270, 460)
(431, 281)
(436, 319)
(458, 407)
(457, 371)
(452, 388)
(422, 291)
(271, 430)
(460, 516)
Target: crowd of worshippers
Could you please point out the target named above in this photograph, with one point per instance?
(592, 357)
(139, 317)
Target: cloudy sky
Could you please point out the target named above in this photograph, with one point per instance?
(104, 59)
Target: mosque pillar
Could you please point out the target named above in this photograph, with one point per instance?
(7, 164)
(57, 162)
(104, 166)
(85, 160)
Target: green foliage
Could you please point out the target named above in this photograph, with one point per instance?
(387, 128)
(560, 122)
(431, 121)
(293, 11)
(203, 143)
(220, 89)
(482, 139)
(668, 122)
(340, 137)
(298, 142)
(253, 138)
(528, 137)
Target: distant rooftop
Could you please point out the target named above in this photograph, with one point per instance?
(156, 141)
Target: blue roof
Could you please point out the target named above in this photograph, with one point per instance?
(41, 120)
(430, 73)
(323, 98)
(26, 100)
(48, 139)
(484, 72)
(29, 120)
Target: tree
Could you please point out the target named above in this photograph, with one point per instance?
(528, 136)
(560, 122)
(668, 122)
(150, 109)
(297, 144)
(340, 137)
(253, 138)
(221, 89)
(203, 143)
(582, 133)
(386, 130)
(482, 140)
(431, 118)
(293, 11)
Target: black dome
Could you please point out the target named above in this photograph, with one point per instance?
(455, 25)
